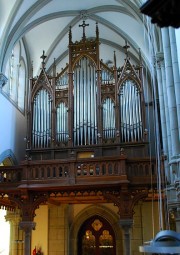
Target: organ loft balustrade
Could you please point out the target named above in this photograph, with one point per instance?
(71, 173)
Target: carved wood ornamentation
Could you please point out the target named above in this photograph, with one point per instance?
(126, 200)
(28, 202)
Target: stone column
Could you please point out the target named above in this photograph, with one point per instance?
(163, 74)
(159, 64)
(27, 227)
(172, 83)
(126, 225)
(170, 93)
(16, 237)
(176, 76)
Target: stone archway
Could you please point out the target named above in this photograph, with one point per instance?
(88, 212)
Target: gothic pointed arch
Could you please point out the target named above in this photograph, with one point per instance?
(89, 212)
(130, 101)
(41, 108)
(8, 158)
(96, 236)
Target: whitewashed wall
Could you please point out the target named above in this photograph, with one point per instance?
(12, 130)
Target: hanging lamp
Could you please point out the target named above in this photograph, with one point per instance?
(165, 242)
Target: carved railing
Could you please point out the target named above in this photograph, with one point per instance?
(141, 171)
(80, 171)
(9, 174)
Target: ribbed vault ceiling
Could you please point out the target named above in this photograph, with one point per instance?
(44, 25)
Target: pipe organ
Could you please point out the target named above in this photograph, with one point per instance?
(85, 102)
(108, 118)
(88, 103)
(41, 127)
(130, 112)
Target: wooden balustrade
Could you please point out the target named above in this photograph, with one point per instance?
(80, 170)
(10, 174)
(141, 171)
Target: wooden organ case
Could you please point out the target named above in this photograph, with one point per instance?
(85, 138)
(89, 108)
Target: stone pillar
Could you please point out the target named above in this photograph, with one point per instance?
(126, 225)
(171, 93)
(27, 227)
(163, 74)
(172, 84)
(166, 145)
(16, 235)
(176, 76)
(58, 229)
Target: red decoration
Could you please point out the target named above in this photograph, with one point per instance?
(34, 251)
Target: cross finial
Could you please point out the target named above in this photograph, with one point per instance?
(83, 26)
(126, 47)
(43, 57)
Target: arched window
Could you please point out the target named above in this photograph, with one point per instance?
(95, 237)
(21, 85)
(130, 112)
(15, 72)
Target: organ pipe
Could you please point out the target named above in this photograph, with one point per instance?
(62, 123)
(130, 112)
(41, 132)
(91, 100)
(108, 119)
(85, 106)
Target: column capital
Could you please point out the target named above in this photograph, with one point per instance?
(126, 224)
(13, 216)
(27, 226)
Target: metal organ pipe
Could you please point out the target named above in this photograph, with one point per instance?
(88, 102)
(85, 110)
(41, 119)
(62, 126)
(85, 124)
(108, 118)
(38, 120)
(92, 103)
(130, 112)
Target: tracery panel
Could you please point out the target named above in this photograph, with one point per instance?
(96, 237)
(62, 81)
(107, 76)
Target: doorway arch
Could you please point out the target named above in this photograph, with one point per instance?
(87, 213)
(96, 237)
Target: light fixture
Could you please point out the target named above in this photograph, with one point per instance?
(165, 242)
